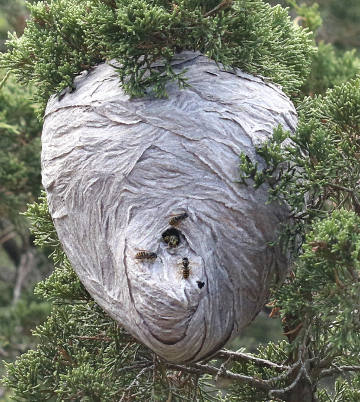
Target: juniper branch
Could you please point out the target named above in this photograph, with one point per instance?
(244, 357)
(219, 7)
(283, 391)
(338, 370)
(221, 373)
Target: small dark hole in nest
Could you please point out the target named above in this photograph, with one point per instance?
(200, 284)
(171, 237)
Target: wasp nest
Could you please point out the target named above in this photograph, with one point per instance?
(145, 198)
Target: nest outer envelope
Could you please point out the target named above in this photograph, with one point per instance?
(115, 168)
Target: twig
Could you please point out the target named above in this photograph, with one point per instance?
(134, 381)
(188, 369)
(222, 369)
(302, 371)
(327, 360)
(348, 190)
(27, 264)
(337, 370)
(94, 338)
(337, 280)
(219, 7)
(338, 187)
(295, 330)
(353, 273)
(283, 391)
(343, 201)
(6, 237)
(251, 359)
(137, 377)
(136, 366)
(284, 375)
(3, 81)
(203, 368)
(307, 367)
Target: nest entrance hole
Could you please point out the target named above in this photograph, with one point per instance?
(172, 237)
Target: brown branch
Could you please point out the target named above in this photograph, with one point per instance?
(135, 381)
(250, 359)
(4, 79)
(348, 190)
(337, 280)
(283, 391)
(338, 370)
(206, 369)
(94, 338)
(327, 360)
(222, 369)
(299, 368)
(295, 374)
(295, 330)
(136, 366)
(303, 372)
(353, 273)
(219, 7)
(338, 187)
(7, 237)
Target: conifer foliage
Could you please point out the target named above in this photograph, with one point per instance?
(316, 172)
(21, 265)
(83, 355)
(64, 37)
(19, 149)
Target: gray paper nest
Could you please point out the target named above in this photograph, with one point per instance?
(115, 171)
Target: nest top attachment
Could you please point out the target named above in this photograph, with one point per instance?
(145, 198)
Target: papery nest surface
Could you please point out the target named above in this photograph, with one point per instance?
(118, 170)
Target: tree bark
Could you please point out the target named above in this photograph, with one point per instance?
(302, 392)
